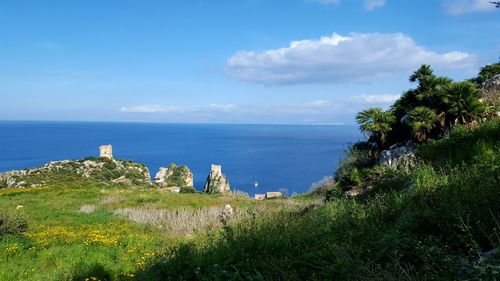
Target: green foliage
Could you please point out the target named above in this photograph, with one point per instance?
(12, 223)
(462, 103)
(187, 189)
(464, 145)
(350, 171)
(429, 86)
(73, 245)
(178, 177)
(422, 120)
(376, 122)
(447, 103)
(426, 224)
(487, 72)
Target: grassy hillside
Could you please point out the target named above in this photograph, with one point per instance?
(435, 222)
(78, 231)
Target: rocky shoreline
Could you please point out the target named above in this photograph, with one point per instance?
(105, 168)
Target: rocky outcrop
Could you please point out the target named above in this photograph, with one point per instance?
(99, 169)
(174, 178)
(226, 214)
(260, 196)
(398, 156)
(216, 181)
(271, 195)
(492, 84)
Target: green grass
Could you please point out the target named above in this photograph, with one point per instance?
(431, 223)
(64, 243)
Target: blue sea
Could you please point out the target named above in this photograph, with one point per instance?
(290, 157)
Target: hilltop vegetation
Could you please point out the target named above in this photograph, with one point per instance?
(90, 169)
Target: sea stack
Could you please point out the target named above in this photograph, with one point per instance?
(216, 181)
(175, 177)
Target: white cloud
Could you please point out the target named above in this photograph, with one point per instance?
(374, 99)
(319, 111)
(373, 4)
(154, 108)
(358, 57)
(467, 6)
(319, 104)
(224, 107)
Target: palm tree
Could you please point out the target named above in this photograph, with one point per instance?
(430, 87)
(424, 71)
(462, 103)
(421, 119)
(376, 122)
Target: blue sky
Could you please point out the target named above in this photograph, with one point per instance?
(230, 61)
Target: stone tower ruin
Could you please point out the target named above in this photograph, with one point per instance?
(106, 151)
(216, 169)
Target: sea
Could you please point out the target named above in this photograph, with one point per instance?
(289, 158)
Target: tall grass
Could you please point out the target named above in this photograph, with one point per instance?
(434, 222)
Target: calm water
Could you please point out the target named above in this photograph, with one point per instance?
(279, 156)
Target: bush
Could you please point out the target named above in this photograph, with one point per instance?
(187, 189)
(350, 171)
(12, 223)
(463, 145)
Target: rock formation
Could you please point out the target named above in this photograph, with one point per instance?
(271, 195)
(492, 84)
(226, 214)
(260, 196)
(99, 169)
(175, 178)
(216, 181)
(398, 156)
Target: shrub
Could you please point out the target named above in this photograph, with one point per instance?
(463, 145)
(12, 223)
(350, 169)
(325, 187)
(187, 189)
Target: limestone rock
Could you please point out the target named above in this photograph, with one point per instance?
(226, 214)
(271, 195)
(100, 169)
(398, 156)
(174, 176)
(492, 84)
(216, 181)
(260, 196)
(122, 180)
(162, 175)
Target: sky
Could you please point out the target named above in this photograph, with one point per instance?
(230, 61)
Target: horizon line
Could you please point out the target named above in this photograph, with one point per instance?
(184, 123)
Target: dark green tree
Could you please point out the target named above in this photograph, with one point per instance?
(377, 123)
(462, 103)
(486, 72)
(421, 119)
